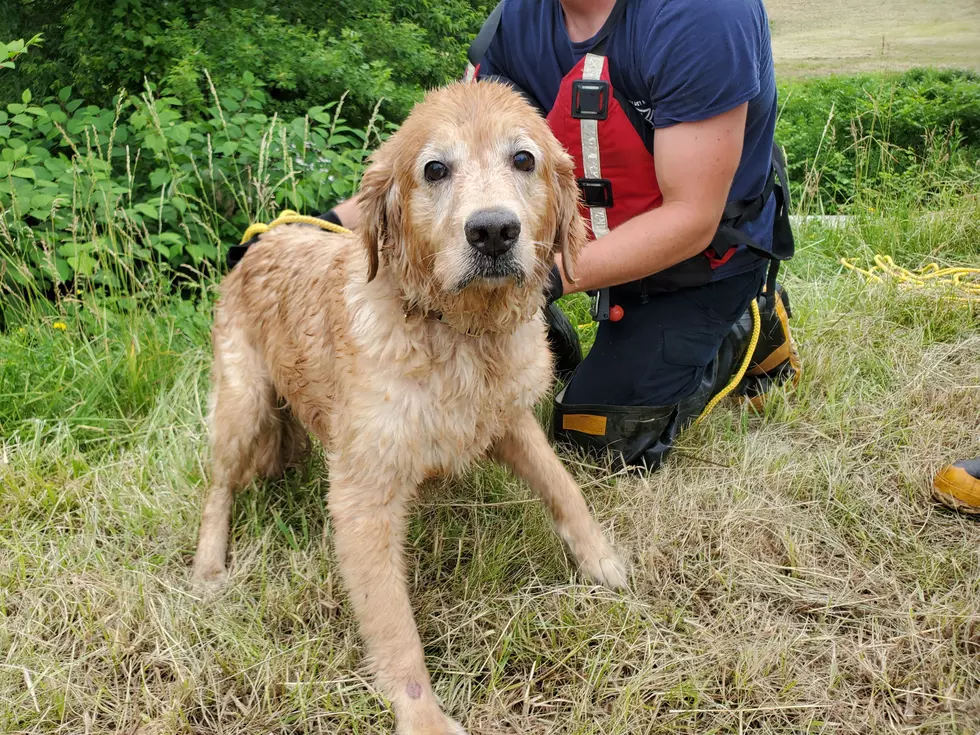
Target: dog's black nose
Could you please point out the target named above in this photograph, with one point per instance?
(493, 231)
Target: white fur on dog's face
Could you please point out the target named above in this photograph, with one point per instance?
(479, 178)
(414, 227)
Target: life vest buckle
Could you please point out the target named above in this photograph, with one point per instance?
(596, 192)
(590, 99)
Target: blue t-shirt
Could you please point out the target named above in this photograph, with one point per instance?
(674, 60)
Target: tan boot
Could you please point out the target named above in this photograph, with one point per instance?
(958, 486)
(775, 361)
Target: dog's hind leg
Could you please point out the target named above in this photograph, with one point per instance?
(293, 446)
(246, 438)
(369, 524)
(525, 449)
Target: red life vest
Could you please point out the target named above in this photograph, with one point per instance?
(614, 167)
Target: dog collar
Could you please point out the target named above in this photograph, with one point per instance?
(438, 316)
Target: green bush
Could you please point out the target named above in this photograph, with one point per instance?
(871, 139)
(99, 193)
(10, 52)
(304, 53)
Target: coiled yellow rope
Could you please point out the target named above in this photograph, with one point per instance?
(753, 343)
(964, 282)
(289, 217)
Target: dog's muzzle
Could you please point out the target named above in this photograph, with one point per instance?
(492, 233)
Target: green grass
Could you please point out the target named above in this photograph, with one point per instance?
(790, 572)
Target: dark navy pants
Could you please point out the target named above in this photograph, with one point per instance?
(657, 354)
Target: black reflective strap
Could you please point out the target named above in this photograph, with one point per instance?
(596, 192)
(590, 99)
(482, 41)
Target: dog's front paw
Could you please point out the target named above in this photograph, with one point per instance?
(208, 580)
(611, 572)
(600, 563)
(434, 723)
(451, 727)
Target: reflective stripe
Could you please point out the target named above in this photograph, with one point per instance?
(470, 73)
(592, 71)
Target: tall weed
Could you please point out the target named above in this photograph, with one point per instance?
(871, 141)
(114, 196)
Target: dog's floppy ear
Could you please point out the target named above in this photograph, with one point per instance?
(379, 211)
(570, 234)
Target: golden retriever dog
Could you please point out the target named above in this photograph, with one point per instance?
(411, 350)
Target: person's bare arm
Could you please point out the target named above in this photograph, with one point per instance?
(696, 163)
(348, 213)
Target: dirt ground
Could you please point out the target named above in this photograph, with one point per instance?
(830, 36)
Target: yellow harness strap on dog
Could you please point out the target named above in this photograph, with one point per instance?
(289, 217)
(964, 281)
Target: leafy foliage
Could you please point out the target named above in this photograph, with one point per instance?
(871, 139)
(9, 52)
(303, 53)
(98, 193)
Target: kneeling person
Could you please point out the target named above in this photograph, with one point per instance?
(669, 111)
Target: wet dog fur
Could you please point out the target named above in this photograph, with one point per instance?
(409, 354)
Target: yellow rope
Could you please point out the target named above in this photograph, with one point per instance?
(965, 281)
(289, 217)
(756, 329)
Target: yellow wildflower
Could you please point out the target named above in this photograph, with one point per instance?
(60, 325)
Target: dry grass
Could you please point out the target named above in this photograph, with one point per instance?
(812, 37)
(790, 572)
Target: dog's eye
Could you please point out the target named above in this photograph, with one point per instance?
(436, 171)
(523, 161)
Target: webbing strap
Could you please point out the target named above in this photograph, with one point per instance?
(783, 242)
(592, 169)
(591, 165)
(482, 41)
(746, 210)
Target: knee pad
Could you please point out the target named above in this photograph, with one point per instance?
(634, 436)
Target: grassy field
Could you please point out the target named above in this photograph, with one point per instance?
(812, 37)
(789, 572)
